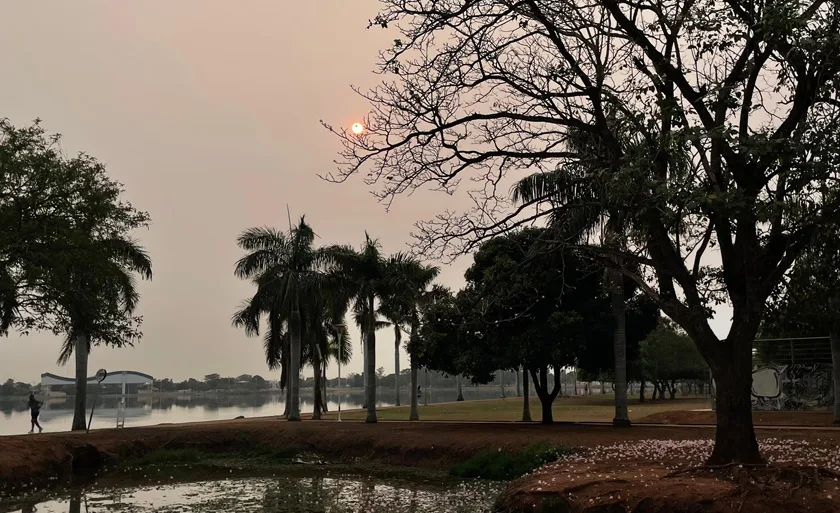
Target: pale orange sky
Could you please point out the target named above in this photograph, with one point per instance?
(207, 111)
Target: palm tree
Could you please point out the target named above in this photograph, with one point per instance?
(276, 340)
(373, 279)
(400, 307)
(582, 207)
(423, 297)
(360, 318)
(286, 269)
(94, 287)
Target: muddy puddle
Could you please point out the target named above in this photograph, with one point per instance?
(279, 494)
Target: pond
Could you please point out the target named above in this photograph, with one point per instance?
(151, 409)
(309, 494)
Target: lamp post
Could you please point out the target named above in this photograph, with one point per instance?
(340, 329)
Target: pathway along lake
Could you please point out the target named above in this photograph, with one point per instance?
(151, 409)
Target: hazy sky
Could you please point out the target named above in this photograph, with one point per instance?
(207, 111)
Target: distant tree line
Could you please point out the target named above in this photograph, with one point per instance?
(244, 382)
(12, 388)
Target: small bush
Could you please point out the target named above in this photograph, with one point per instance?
(504, 465)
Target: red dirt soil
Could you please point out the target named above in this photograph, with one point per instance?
(760, 418)
(41, 458)
(650, 488)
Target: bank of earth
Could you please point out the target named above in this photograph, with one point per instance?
(38, 460)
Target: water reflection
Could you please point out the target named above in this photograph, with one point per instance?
(281, 495)
(150, 409)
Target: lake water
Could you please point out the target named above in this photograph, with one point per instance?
(321, 494)
(146, 410)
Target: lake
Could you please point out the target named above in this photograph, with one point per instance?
(151, 409)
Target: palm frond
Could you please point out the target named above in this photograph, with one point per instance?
(129, 254)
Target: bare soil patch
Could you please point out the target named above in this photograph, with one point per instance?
(760, 418)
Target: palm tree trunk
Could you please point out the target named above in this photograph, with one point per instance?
(502, 383)
(294, 365)
(518, 388)
(284, 378)
(460, 391)
(426, 383)
(622, 416)
(287, 384)
(316, 370)
(370, 370)
(526, 401)
(80, 346)
(364, 368)
(324, 387)
(834, 337)
(397, 340)
(413, 414)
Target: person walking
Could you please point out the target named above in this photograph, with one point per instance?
(35, 410)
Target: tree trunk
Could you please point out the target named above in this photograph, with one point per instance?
(526, 401)
(642, 391)
(426, 384)
(672, 390)
(502, 383)
(316, 370)
(80, 347)
(622, 418)
(294, 365)
(370, 351)
(288, 389)
(546, 397)
(397, 340)
(413, 415)
(364, 368)
(835, 361)
(735, 435)
(324, 387)
(284, 378)
(518, 388)
(460, 391)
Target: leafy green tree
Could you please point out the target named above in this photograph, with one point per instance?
(522, 306)
(747, 90)
(68, 259)
(563, 185)
(669, 356)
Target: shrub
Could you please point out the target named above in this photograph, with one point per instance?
(504, 465)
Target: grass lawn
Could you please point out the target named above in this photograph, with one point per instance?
(591, 408)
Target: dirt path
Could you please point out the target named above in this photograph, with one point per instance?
(34, 458)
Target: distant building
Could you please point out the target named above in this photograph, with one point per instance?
(118, 382)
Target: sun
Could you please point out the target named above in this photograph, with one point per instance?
(357, 128)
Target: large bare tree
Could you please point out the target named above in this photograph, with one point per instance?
(489, 90)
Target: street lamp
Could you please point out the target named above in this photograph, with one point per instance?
(340, 330)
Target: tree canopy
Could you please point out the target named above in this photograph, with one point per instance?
(733, 114)
(525, 306)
